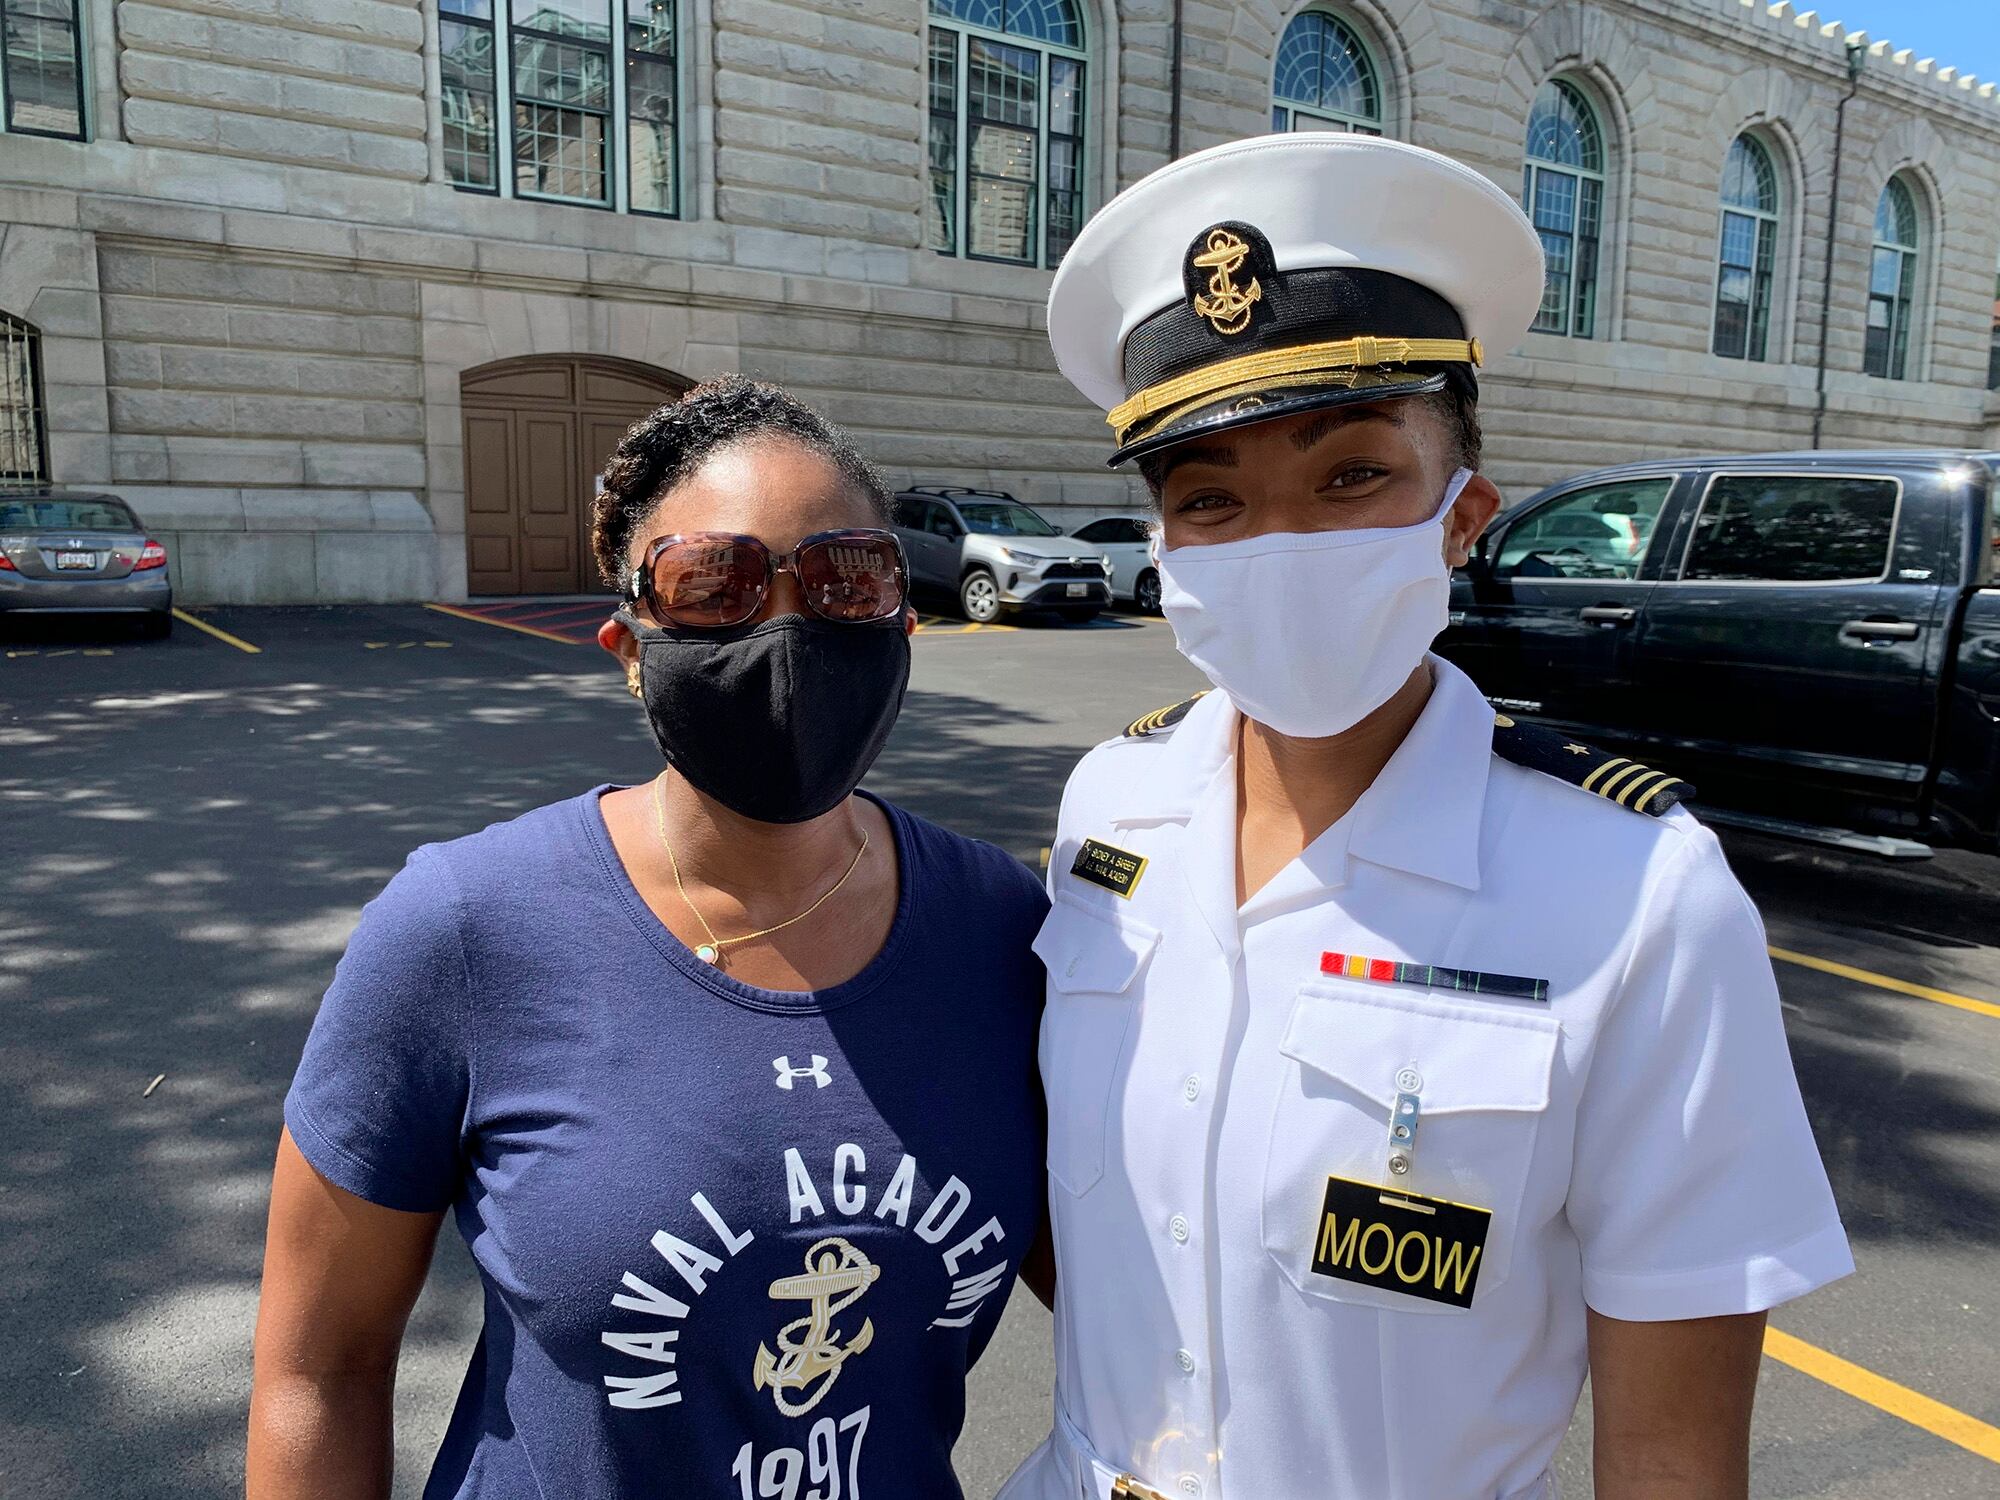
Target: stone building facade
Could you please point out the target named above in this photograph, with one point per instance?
(249, 281)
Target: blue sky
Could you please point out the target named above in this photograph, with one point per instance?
(1963, 34)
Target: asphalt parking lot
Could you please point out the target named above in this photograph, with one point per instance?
(188, 829)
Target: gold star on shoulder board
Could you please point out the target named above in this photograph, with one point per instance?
(1577, 749)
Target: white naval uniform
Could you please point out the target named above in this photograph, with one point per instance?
(1639, 1137)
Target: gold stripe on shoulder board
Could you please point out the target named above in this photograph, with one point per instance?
(1634, 796)
(1616, 778)
(1162, 718)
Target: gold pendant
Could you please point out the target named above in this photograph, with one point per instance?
(708, 953)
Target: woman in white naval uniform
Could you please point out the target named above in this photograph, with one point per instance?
(1403, 1063)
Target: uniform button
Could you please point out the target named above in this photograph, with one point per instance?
(1192, 1088)
(1186, 1361)
(1410, 1081)
(1177, 1226)
(1190, 1484)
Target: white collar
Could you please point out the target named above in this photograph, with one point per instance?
(1422, 813)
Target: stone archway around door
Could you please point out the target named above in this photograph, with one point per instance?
(537, 433)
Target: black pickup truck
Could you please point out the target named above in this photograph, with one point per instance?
(1811, 638)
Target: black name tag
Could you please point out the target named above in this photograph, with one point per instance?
(1400, 1242)
(1111, 868)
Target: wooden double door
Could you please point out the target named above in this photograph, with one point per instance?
(538, 432)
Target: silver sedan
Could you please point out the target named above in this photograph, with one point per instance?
(76, 552)
(1125, 540)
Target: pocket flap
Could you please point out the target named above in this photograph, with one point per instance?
(1085, 951)
(1470, 1057)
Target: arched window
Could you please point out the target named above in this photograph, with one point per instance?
(1006, 90)
(1892, 282)
(571, 100)
(1748, 251)
(1993, 352)
(23, 444)
(1326, 79)
(1563, 191)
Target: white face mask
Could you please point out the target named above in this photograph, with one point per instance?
(1310, 632)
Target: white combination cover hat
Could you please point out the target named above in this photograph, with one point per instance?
(1284, 273)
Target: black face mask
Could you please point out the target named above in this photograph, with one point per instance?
(779, 721)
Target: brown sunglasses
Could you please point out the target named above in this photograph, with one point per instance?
(713, 579)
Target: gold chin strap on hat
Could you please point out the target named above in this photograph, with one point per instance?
(1272, 365)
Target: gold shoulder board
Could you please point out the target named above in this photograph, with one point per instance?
(1162, 718)
(1612, 777)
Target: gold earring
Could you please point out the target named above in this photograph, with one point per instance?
(632, 680)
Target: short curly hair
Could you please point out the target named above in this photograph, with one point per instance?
(661, 450)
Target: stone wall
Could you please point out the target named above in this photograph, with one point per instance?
(247, 388)
(258, 295)
(332, 83)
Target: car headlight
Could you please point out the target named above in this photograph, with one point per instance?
(1015, 555)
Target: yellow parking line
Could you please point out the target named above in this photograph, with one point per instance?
(1934, 1417)
(1884, 982)
(466, 614)
(221, 635)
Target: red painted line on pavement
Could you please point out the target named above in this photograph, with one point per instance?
(499, 623)
(579, 610)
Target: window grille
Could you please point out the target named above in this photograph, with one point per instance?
(563, 100)
(23, 429)
(1325, 78)
(1892, 283)
(1747, 252)
(41, 68)
(1005, 86)
(1563, 192)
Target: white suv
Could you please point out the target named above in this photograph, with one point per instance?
(998, 555)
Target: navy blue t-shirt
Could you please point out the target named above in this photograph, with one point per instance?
(734, 1242)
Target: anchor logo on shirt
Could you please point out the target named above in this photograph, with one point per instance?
(1226, 306)
(810, 1353)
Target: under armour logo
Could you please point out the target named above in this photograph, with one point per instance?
(789, 1075)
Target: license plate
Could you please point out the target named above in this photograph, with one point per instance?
(1078, 590)
(76, 559)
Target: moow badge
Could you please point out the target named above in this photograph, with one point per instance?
(1400, 1242)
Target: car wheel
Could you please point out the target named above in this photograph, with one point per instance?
(1146, 592)
(158, 626)
(979, 597)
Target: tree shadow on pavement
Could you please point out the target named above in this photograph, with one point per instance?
(1905, 1126)
(186, 840)
(185, 856)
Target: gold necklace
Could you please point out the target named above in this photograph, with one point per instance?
(710, 952)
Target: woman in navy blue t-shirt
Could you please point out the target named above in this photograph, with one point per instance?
(728, 1080)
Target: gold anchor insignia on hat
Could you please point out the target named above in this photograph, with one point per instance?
(1225, 304)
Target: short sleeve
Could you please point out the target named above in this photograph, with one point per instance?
(379, 1100)
(1697, 1190)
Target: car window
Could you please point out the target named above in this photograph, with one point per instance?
(1783, 528)
(1098, 531)
(65, 515)
(1131, 531)
(1603, 531)
(1008, 518)
(907, 513)
(938, 521)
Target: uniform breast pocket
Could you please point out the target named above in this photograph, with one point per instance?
(1481, 1076)
(1094, 963)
